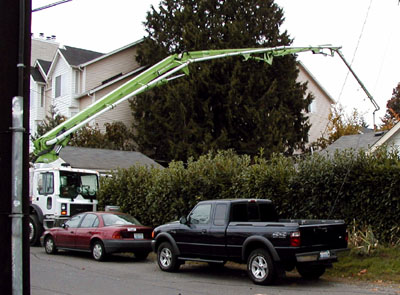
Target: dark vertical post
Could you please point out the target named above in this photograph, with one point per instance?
(15, 40)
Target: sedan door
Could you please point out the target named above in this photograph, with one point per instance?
(65, 237)
(85, 231)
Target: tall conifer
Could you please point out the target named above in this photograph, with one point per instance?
(224, 103)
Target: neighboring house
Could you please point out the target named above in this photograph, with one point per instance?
(368, 141)
(75, 78)
(319, 109)
(103, 160)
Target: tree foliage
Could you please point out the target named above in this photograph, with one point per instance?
(223, 103)
(341, 124)
(117, 135)
(392, 115)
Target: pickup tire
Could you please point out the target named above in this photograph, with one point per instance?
(260, 267)
(166, 258)
(310, 272)
(35, 230)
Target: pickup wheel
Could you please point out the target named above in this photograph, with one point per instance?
(310, 272)
(166, 258)
(260, 267)
(35, 230)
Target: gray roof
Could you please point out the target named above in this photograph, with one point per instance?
(36, 76)
(355, 142)
(44, 64)
(76, 56)
(104, 160)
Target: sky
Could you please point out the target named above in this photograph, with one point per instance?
(367, 30)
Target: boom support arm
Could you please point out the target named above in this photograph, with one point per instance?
(48, 146)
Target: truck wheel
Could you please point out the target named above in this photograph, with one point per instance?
(260, 267)
(49, 245)
(98, 251)
(166, 258)
(35, 230)
(310, 272)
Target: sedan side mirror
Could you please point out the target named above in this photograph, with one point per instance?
(183, 220)
(65, 226)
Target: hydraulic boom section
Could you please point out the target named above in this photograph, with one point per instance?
(48, 146)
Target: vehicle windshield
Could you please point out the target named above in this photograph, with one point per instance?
(73, 184)
(119, 219)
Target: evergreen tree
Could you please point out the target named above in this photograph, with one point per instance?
(223, 103)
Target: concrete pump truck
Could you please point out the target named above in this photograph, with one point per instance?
(58, 191)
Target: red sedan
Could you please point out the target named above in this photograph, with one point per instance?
(100, 233)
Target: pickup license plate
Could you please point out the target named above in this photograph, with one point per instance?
(324, 254)
(138, 236)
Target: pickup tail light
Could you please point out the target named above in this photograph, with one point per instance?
(295, 239)
(117, 235)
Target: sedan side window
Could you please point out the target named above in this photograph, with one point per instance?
(89, 220)
(201, 214)
(74, 221)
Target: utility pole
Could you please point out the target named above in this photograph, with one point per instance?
(15, 20)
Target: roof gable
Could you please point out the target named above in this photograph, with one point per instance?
(76, 56)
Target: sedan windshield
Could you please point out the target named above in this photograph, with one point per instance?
(119, 219)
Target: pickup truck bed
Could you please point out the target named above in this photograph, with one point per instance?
(249, 231)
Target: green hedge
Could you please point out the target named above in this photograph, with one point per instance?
(349, 185)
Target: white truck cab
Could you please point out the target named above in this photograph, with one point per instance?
(57, 192)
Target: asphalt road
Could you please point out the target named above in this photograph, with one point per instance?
(76, 273)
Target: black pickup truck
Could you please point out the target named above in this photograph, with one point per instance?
(243, 230)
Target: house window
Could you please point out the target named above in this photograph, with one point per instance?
(77, 82)
(41, 96)
(312, 107)
(58, 86)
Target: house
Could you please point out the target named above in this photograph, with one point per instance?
(368, 141)
(103, 160)
(319, 109)
(75, 78)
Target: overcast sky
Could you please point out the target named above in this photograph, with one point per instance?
(367, 28)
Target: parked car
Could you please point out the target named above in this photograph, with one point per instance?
(100, 233)
(249, 231)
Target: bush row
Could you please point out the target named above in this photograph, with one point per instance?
(351, 186)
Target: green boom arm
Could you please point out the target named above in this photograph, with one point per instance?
(48, 146)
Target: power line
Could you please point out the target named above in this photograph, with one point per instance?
(355, 51)
(50, 5)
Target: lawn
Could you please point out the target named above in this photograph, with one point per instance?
(382, 265)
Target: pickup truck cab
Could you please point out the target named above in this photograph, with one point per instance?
(249, 231)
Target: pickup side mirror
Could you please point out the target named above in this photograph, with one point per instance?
(183, 220)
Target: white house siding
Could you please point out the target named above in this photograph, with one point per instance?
(321, 106)
(64, 101)
(103, 69)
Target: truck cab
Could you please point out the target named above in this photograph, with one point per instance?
(58, 192)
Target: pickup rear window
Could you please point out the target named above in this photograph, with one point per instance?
(253, 212)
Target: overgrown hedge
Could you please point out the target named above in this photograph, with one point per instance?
(352, 186)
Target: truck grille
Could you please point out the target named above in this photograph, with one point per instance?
(75, 208)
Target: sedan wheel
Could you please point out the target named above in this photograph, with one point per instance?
(260, 267)
(49, 245)
(98, 251)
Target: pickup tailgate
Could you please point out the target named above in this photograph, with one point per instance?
(323, 234)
